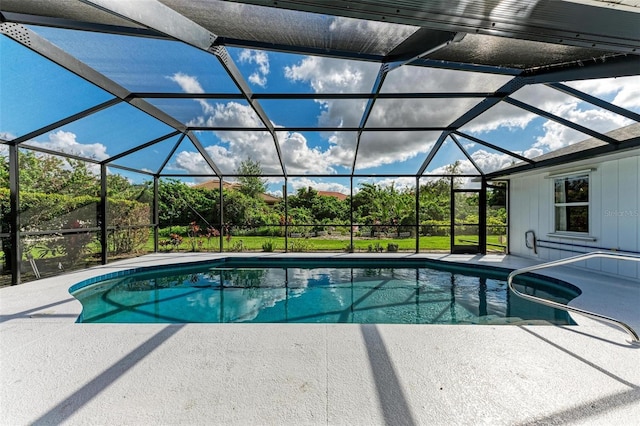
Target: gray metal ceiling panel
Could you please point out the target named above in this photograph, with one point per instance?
(513, 53)
(577, 23)
(293, 28)
(509, 34)
(72, 10)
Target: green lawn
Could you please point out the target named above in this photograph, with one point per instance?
(254, 243)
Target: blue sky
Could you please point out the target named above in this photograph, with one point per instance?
(36, 92)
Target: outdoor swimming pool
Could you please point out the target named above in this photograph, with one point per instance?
(318, 291)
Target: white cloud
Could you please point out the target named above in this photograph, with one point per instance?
(187, 83)
(190, 84)
(500, 116)
(261, 59)
(557, 136)
(66, 142)
(7, 136)
(624, 90)
(192, 162)
(381, 148)
(258, 79)
(333, 75)
(532, 153)
(300, 158)
(489, 161)
(237, 146)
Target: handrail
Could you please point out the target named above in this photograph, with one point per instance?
(635, 340)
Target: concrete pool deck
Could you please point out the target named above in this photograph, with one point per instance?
(53, 370)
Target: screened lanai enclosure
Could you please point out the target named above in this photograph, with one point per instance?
(130, 127)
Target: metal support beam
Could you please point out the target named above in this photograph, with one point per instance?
(156, 16)
(173, 151)
(130, 169)
(225, 59)
(417, 214)
(102, 215)
(326, 129)
(65, 121)
(221, 207)
(433, 40)
(510, 87)
(595, 101)
(286, 215)
(452, 216)
(156, 211)
(492, 146)
(619, 66)
(138, 148)
(48, 21)
(59, 154)
(15, 250)
(561, 120)
(377, 85)
(317, 96)
(466, 154)
(433, 153)
(351, 248)
(413, 48)
(507, 89)
(482, 217)
(205, 155)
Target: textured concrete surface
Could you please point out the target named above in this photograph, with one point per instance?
(56, 371)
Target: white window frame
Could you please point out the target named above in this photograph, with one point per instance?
(556, 231)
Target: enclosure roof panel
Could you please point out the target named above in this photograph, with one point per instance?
(327, 88)
(521, 34)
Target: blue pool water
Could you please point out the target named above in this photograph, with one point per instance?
(320, 291)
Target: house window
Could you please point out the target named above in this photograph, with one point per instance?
(572, 203)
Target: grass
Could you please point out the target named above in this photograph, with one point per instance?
(255, 243)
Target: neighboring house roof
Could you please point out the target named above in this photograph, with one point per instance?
(628, 135)
(215, 184)
(234, 186)
(339, 195)
(269, 199)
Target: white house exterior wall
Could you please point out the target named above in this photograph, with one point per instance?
(614, 214)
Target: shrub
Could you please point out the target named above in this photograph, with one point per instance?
(237, 246)
(267, 246)
(391, 247)
(51, 212)
(376, 248)
(299, 246)
(129, 219)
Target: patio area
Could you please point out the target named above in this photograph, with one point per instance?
(57, 371)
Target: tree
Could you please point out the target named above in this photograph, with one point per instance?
(178, 204)
(435, 198)
(4, 171)
(251, 182)
(319, 209)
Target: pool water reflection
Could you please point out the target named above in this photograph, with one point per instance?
(318, 292)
